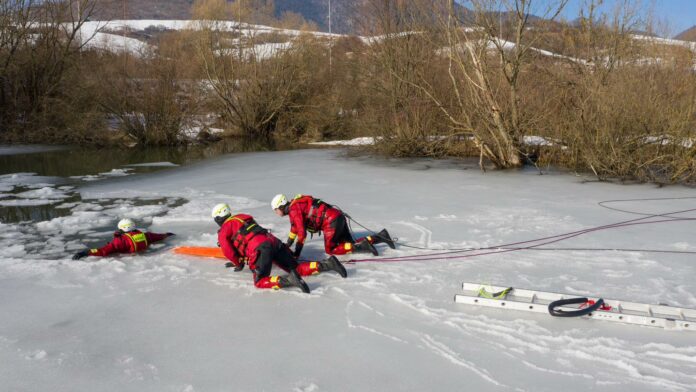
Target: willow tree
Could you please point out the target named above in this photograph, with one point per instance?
(487, 48)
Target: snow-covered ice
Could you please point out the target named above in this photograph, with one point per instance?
(45, 192)
(165, 322)
(16, 149)
(9, 181)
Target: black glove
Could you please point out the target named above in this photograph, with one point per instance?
(298, 250)
(237, 268)
(289, 242)
(170, 234)
(81, 254)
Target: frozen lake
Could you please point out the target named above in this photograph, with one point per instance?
(165, 322)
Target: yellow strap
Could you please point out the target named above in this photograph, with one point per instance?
(274, 279)
(347, 246)
(235, 218)
(292, 236)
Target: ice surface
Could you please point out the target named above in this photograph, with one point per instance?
(9, 181)
(44, 193)
(27, 149)
(116, 173)
(161, 321)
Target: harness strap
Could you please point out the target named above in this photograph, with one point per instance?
(137, 239)
(318, 222)
(499, 295)
(249, 230)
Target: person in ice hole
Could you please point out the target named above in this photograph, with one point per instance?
(127, 239)
(243, 241)
(307, 213)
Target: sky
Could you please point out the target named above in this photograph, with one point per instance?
(672, 16)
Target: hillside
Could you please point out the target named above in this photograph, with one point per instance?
(143, 9)
(687, 35)
(312, 10)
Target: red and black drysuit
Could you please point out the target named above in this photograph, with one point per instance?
(242, 239)
(307, 213)
(130, 242)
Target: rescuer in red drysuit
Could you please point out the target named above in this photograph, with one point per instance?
(127, 239)
(307, 213)
(243, 240)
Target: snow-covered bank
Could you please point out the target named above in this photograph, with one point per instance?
(160, 321)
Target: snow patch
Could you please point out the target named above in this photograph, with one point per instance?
(359, 141)
(153, 164)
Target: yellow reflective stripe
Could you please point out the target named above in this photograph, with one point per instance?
(251, 226)
(274, 279)
(292, 236)
(234, 218)
(347, 246)
(140, 237)
(135, 239)
(94, 250)
(314, 265)
(369, 238)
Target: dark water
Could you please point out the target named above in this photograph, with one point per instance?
(72, 161)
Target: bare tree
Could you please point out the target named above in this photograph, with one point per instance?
(253, 87)
(39, 42)
(487, 51)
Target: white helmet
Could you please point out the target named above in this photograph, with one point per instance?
(279, 201)
(126, 225)
(221, 212)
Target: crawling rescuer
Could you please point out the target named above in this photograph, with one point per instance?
(307, 213)
(127, 239)
(242, 239)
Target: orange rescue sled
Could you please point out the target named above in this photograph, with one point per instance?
(200, 251)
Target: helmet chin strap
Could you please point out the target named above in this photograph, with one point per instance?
(221, 219)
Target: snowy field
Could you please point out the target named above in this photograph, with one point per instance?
(164, 322)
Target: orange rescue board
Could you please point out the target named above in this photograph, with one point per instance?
(199, 251)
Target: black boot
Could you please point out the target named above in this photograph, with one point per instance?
(293, 279)
(366, 246)
(383, 237)
(332, 264)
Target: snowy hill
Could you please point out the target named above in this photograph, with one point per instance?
(312, 10)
